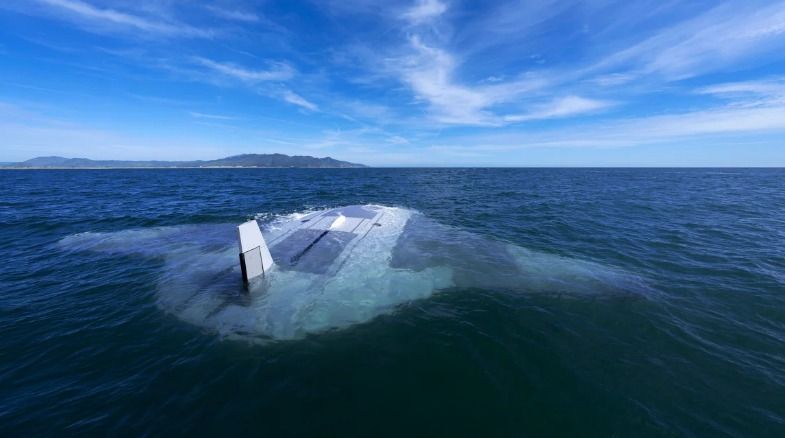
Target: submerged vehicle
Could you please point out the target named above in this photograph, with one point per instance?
(307, 273)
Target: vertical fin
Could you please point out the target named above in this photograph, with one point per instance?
(255, 258)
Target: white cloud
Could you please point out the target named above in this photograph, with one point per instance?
(424, 10)
(111, 17)
(231, 14)
(430, 71)
(198, 115)
(710, 124)
(721, 37)
(397, 139)
(753, 87)
(563, 107)
(612, 79)
(279, 72)
(712, 40)
(298, 100)
(749, 94)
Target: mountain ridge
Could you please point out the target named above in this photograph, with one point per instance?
(234, 161)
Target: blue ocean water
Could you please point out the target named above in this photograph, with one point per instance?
(693, 345)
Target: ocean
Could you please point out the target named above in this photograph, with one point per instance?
(651, 303)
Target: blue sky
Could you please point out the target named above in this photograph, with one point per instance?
(397, 83)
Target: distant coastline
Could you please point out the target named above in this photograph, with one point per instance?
(233, 162)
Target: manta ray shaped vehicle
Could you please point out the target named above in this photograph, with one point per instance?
(334, 268)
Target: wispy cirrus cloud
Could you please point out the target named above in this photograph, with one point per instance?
(296, 99)
(724, 35)
(233, 14)
(265, 82)
(561, 107)
(766, 86)
(279, 71)
(712, 123)
(765, 92)
(113, 19)
(612, 79)
(430, 72)
(423, 11)
(198, 115)
(711, 40)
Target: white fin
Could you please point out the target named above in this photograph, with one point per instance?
(255, 258)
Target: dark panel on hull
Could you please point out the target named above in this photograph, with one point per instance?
(288, 254)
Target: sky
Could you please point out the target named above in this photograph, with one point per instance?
(397, 83)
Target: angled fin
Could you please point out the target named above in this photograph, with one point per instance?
(255, 258)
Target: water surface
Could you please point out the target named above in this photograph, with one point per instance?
(690, 342)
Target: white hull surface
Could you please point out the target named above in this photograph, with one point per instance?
(343, 279)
